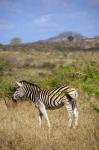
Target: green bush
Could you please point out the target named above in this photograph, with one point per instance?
(48, 65)
(6, 88)
(95, 108)
(97, 93)
(5, 68)
(85, 79)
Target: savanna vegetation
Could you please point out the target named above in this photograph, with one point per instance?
(19, 129)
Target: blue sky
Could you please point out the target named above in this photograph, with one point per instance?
(33, 20)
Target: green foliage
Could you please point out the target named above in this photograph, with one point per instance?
(5, 67)
(15, 41)
(95, 108)
(55, 81)
(6, 88)
(61, 76)
(85, 77)
(70, 38)
(48, 65)
(97, 93)
(89, 90)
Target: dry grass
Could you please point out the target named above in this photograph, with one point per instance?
(19, 129)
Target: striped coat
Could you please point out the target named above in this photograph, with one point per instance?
(49, 99)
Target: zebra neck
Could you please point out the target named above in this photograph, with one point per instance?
(30, 96)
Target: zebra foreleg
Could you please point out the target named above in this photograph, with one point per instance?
(40, 118)
(43, 112)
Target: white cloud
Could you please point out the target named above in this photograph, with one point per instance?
(45, 19)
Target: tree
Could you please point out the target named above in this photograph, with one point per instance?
(1, 44)
(15, 41)
(70, 38)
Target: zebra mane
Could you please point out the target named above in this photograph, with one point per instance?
(32, 84)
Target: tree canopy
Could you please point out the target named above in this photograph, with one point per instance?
(15, 41)
(70, 38)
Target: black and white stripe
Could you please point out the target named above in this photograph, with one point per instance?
(49, 99)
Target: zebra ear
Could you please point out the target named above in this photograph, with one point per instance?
(18, 83)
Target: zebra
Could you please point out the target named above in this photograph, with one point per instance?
(49, 99)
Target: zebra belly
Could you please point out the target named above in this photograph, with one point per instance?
(54, 107)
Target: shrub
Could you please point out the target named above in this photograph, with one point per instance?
(5, 68)
(48, 65)
(6, 88)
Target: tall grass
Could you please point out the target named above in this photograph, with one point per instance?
(84, 76)
(19, 128)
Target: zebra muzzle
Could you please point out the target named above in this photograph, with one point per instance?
(14, 100)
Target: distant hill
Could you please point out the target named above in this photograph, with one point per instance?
(58, 43)
(65, 35)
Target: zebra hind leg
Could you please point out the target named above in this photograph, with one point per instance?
(76, 117)
(72, 112)
(70, 122)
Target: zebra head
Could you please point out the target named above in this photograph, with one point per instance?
(20, 91)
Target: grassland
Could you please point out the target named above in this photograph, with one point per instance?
(19, 129)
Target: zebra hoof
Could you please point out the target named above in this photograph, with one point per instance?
(75, 126)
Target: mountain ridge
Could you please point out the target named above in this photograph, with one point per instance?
(65, 35)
